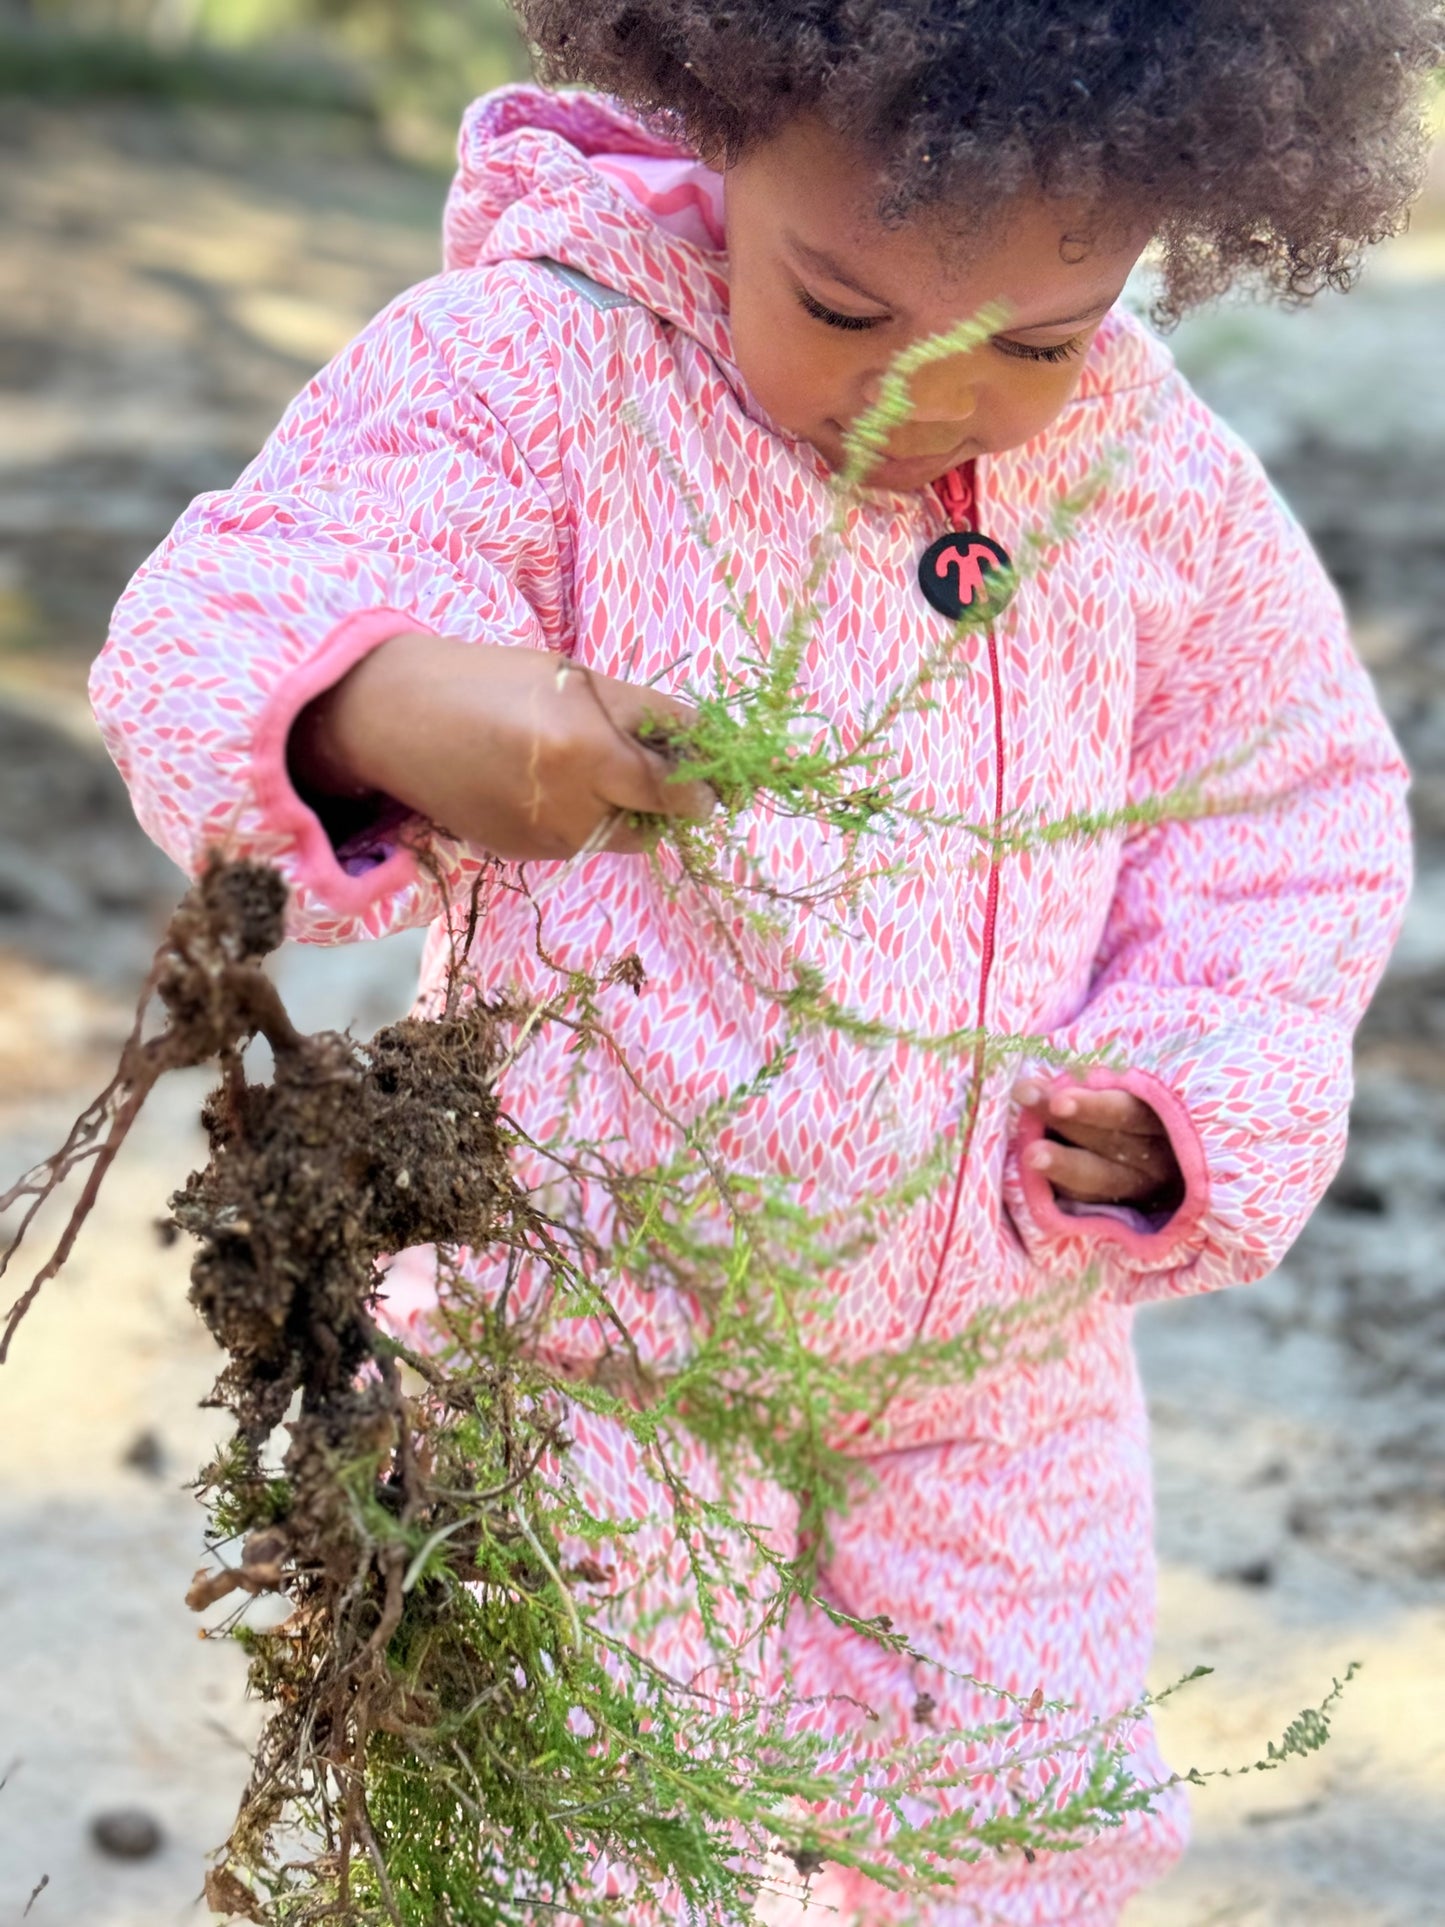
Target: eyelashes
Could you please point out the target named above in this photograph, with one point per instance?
(820, 313)
(1017, 350)
(1064, 351)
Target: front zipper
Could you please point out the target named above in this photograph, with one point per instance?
(965, 503)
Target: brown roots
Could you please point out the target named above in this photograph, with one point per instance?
(351, 1152)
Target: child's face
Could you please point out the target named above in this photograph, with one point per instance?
(799, 198)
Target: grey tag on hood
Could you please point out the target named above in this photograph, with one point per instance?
(590, 290)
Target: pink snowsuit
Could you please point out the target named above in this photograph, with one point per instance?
(465, 467)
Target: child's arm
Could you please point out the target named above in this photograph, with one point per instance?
(392, 574)
(518, 752)
(1241, 949)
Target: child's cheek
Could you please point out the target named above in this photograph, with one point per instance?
(1023, 398)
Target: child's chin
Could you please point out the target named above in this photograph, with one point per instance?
(891, 476)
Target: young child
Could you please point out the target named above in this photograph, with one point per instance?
(746, 213)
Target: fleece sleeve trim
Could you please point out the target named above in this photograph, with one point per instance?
(1145, 1240)
(319, 865)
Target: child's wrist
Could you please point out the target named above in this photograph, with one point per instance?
(344, 743)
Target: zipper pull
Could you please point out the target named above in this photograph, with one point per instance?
(956, 491)
(954, 571)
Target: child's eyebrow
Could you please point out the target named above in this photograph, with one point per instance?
(834, 269)
(1101, 306)
(827, 264)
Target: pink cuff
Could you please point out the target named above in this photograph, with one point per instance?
(1132, 1230)
(347, 891)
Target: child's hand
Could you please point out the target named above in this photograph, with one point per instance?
(1103, 1147)
(515, 750)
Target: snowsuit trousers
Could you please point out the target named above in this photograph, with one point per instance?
(1031, 1569)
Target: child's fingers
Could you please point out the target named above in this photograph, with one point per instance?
(1106, 1110)
(633, 777)
(1100, 1110)
(1087, 1177)
(612, 720)
(1153, 1156)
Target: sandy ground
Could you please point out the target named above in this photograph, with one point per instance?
(167, 284)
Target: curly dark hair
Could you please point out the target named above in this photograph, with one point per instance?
(1269, 141)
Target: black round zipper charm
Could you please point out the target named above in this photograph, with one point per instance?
(954, 572)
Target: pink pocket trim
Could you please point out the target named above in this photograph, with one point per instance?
(320, 873)
(1132, 1237)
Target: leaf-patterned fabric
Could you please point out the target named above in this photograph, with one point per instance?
(470, 465)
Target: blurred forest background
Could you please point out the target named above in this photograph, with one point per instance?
(411, 64)
(200, 202)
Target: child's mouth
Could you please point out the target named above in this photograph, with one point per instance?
(913, 468)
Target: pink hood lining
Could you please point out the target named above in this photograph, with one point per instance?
(679, 194)
(662, 178)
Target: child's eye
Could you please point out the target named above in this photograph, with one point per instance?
(820, 313)
(1021, 351)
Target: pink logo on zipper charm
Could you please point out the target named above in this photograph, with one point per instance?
(954, 572)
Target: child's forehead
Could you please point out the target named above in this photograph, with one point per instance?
(817, 182)
(819, 197)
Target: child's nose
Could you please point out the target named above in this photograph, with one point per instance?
(942, 396)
